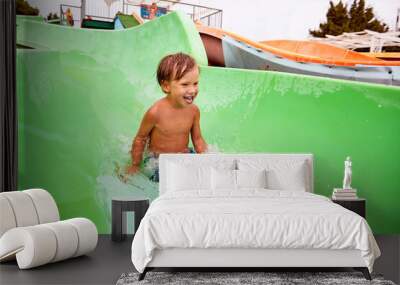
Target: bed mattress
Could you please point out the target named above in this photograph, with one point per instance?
(250, 219)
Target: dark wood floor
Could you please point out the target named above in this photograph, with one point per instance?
(111, 259)
(103, 266)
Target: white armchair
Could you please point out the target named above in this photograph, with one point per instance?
(31, 230)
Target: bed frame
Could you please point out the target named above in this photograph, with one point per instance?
(246, 257)
(256, 258)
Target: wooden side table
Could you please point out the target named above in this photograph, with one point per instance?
(357, 205)
(121, 205)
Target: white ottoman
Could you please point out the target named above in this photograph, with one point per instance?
(31, 232)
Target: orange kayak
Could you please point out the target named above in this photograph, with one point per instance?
(302, 51)
(302, 57)
(393, 56)
(335, 55)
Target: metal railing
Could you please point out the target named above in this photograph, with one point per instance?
(102, 10)
(74, 9)
(206, 15)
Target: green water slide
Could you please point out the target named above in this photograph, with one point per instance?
(82, 94)
(30, 18)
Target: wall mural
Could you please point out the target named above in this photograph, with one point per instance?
(82, 94)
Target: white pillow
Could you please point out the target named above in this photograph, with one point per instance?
(289, 179)
(281, 174)
(251, 178)
(184, 177)
(200, 160)
(223, 179)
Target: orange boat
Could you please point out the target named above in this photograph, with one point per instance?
(333, 54)
(224, 48)
(302, 51)
(388, 56)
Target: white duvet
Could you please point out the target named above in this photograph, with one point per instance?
(250, 218)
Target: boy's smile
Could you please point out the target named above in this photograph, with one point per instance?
(182, 92)
(188, 99)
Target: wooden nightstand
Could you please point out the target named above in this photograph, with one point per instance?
(356, 205)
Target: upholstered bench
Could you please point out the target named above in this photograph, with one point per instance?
(31, 230)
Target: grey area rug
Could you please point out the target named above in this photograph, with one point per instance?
(232, 278)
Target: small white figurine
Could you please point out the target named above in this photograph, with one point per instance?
(347, 174)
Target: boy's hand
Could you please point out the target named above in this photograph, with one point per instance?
(132, 169)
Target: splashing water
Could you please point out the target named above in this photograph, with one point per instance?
(212, 149)
(140, 185)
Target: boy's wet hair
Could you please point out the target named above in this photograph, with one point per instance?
(174, 67)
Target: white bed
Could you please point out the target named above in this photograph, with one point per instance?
(202, 220)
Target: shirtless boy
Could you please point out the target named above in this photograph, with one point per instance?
(166, 126)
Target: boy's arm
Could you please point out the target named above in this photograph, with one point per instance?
(140, 140)
(199, 144)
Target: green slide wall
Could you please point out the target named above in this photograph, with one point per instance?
(82, 94)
